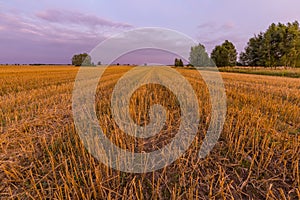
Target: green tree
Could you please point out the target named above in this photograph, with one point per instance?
(199, 57)
(225, 54)
(82, 59)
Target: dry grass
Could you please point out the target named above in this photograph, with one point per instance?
(41, 156)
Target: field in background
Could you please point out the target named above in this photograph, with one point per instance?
(41, 155)
(279, 71)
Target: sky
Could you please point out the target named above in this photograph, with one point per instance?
(52, 31)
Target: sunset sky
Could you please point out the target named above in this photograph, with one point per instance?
(51, 31)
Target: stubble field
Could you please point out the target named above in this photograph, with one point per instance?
(41, 155)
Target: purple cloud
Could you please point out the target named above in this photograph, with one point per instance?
(63, 16)
(27, 39)
(206, 25)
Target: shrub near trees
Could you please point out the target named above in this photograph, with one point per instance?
(178, 63)
(278, 46)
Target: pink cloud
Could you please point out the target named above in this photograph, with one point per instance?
(227, 26)
(59, 16)
(214, 27)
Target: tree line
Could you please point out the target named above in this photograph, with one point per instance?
(279, 45)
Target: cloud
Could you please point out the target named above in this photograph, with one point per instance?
(206, 25)
(28, 39)
(66, 17)
(213, 27)
(227, 26)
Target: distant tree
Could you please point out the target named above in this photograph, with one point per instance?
(82, 59)
(225, 54)
(99, 63)
(199, 57)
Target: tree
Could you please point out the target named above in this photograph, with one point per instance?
(199, 57)
(82, 59)
(225, 54)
